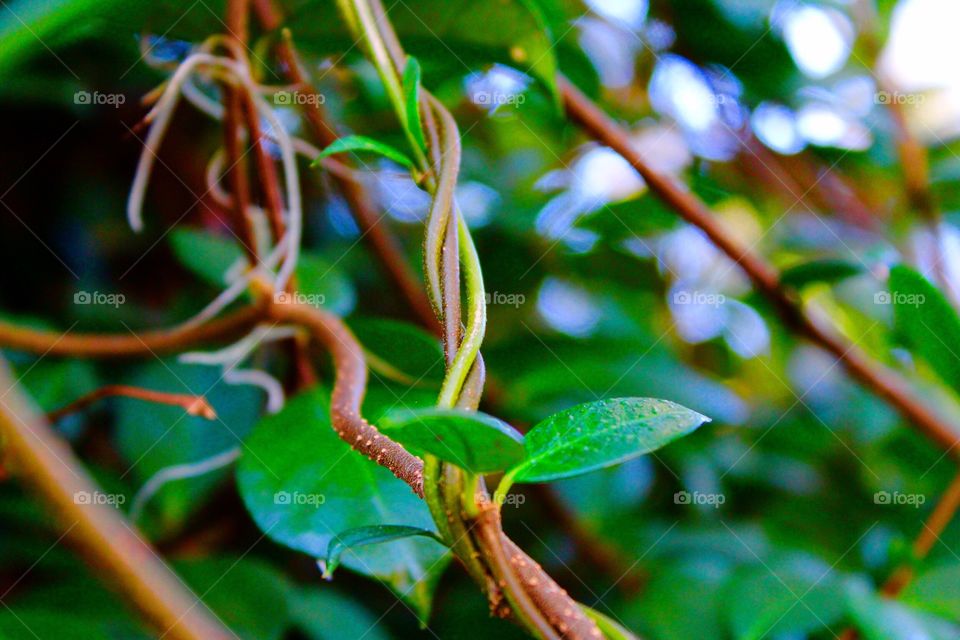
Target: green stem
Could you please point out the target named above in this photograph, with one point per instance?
(476, 320)
(504, 487)
(361, 20)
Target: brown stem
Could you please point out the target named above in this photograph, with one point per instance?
(193, 405)
(100, 345)
(116, 550)
(941, 516)
(492, 541)
(884, 382)
(549, 597)
(348, 390)
(236, 22)
(378, 238)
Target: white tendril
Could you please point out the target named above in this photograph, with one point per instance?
(179, 472)
(261, 379)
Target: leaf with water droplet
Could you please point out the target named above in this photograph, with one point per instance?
(601, 434)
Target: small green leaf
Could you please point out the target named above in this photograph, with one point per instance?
(827, 270)
(411, 92)
(362, 536)
(600, 434)
(926, 322)
(476, 442)
(363, 143)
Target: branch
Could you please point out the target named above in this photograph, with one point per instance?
(941, 516)
(236, 23)
(118, 553)
(107, 345)
(348, 390)
(882, 381)
(193, 405)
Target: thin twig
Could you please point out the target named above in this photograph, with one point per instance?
(192, 404)
(118, 553)
(882, 381)
(348, 390)
(107, 345)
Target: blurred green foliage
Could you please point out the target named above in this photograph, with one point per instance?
(779, 519)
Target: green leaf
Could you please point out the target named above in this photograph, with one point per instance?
(536, 48)
(476, 442)
(324, 614)
(363, 143)
(247, 594)
(795, 596)
(210, 256)
(302, 484)
(30, 27)
(319, 280)
(205, 254)
(681, 602)
(600, 434)
(411, 92)
(151, 437)
(828, 270)
(936, 591)
(926, 322)
(405, 347)
(878, 618)
(362, 536)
